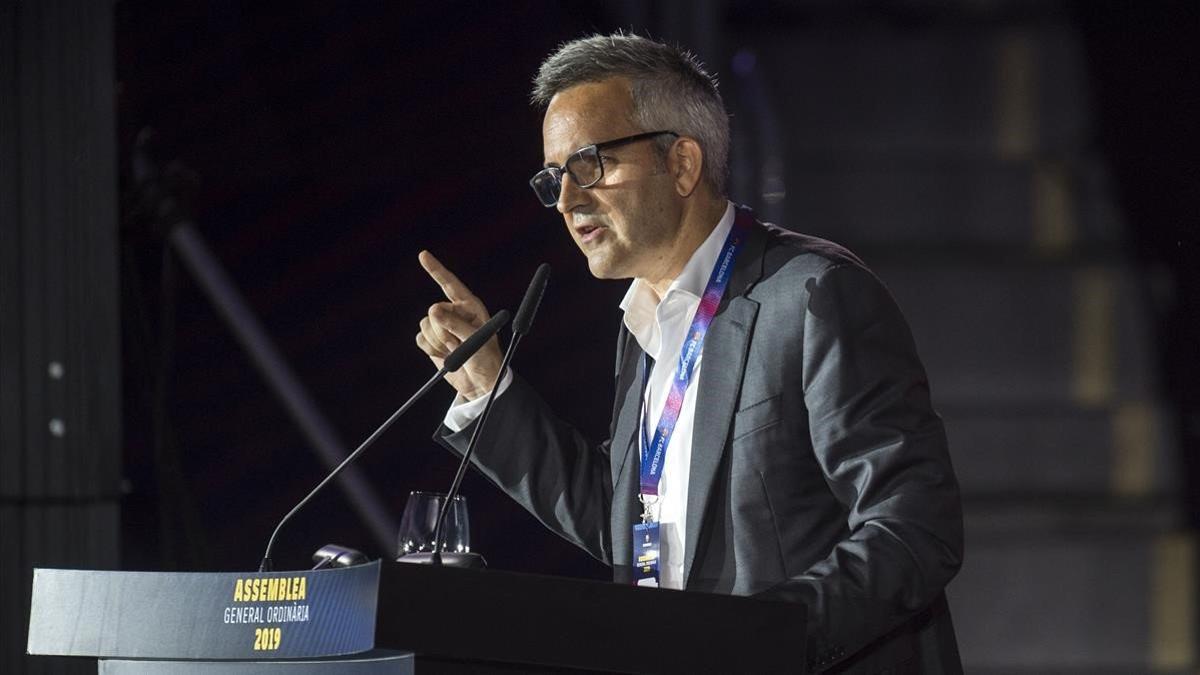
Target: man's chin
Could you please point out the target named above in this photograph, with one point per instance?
(602, 267)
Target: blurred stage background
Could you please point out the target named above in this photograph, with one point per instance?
(1021, 174)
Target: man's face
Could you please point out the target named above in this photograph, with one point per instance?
(627, 223)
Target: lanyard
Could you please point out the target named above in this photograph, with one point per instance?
(654, 450)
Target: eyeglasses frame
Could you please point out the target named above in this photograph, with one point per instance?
(556, 172)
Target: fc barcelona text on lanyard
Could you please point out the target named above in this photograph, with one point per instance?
(653, 449)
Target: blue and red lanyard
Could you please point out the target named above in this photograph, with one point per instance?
(654, 450)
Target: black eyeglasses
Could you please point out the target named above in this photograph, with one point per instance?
(584, 166)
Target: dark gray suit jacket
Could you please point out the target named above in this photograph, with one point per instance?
(820, 472)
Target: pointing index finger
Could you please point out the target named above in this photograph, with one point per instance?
(455, 290)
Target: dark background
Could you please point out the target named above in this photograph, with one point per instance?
(334, 141)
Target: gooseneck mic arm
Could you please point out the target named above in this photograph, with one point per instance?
(452, 363)
(521, 324)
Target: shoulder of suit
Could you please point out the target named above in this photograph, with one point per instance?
(804, 253)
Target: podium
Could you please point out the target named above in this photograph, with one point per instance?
(487, 621)
(426, 619)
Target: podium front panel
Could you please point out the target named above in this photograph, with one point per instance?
(192, 615)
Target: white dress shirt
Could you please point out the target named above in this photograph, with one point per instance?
(660, 328)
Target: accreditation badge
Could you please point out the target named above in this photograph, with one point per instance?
(645, 554)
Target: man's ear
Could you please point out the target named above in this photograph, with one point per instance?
(686, 164)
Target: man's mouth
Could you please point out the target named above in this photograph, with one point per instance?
(588, 233)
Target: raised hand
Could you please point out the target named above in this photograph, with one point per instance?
(451, 321)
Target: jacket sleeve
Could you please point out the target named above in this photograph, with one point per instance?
(884, 455)
(544, 464)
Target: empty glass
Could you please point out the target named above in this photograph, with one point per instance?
(420, 518)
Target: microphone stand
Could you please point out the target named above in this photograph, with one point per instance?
(521, 323)
(452, 363)
(266, 566)
(466, 557)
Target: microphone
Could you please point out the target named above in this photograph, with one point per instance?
(521, 324)
(333, 555)
(467, 349)
(532, 300)
(451, 363)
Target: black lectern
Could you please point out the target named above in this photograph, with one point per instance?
(455, 620)
(485, 621)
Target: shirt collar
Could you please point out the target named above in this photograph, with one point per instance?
(640, 304)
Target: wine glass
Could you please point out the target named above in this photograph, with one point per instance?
(420, 519)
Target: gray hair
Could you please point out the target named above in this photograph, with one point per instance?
(670, 89)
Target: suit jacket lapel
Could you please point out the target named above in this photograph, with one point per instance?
(623, 448)
(721, 369)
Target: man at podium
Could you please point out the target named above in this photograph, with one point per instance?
(772, 433)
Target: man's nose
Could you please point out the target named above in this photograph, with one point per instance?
(570, 195)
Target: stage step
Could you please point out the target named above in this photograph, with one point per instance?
(1029, 334)
(1043, 205)
(957, 91)
(1124, 450)
(1077, 602)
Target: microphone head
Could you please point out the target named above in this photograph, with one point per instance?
(533, 298)
(334, 555)
(472, 344)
